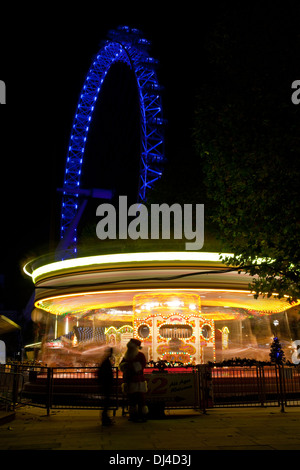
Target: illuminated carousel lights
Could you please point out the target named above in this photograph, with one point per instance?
(166, 317)
(192, 339)
(48, 304)
(211, 326)
(166, 305)
(171, 353)
(176, 325)
(173, 304)
(136, 334)
(177, 312)
(141, 338)
(122, 329)
(139, 319)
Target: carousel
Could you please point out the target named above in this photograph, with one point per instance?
(185, 307)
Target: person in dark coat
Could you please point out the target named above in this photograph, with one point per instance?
(134, 383)
(105, 376)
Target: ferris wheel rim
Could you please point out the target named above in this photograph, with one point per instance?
(126, 46)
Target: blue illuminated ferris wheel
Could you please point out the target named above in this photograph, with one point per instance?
(128, 46)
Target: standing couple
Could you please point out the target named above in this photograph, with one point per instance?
(134, 383)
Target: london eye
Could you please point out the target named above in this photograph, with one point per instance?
(126, 46)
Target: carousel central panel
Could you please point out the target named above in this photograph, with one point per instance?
(172, 328)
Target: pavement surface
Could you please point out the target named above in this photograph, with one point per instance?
(29, 428)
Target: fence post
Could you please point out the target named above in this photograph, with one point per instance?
(280, 369)
(116, 382)
(203, 390)
(49, 389)
(198, 386)
(261, 384)
(15, 389)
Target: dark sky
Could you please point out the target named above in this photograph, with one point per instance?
(46, 52)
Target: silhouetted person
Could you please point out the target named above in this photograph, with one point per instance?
(105, 375)
(134, 383)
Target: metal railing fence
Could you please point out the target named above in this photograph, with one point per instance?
(212, 386)
(62, 387)
(258, 385)
(11, 386)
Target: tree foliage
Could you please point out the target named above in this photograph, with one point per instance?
(247, 138)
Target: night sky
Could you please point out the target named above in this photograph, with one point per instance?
(46, 52)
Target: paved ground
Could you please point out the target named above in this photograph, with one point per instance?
(219, 429)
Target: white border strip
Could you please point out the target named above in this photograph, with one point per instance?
(124, 258)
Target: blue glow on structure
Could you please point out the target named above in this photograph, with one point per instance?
(129, 47)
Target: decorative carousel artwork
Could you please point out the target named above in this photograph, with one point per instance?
(172, 328)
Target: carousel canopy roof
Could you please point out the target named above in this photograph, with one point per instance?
(108, 283)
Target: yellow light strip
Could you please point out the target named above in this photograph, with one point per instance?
(25, 269)
(39, 303)
(121, 291)
(124, 258)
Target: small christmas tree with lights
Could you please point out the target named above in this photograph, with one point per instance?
(276, 352)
